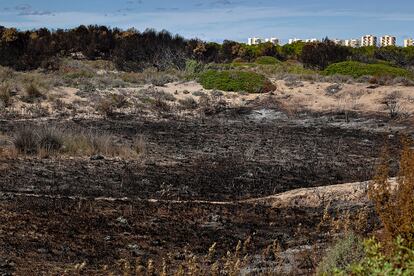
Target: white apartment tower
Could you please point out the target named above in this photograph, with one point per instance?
(408, 42)
(354, 43)
(293, 40)
(254, 41)
(311, 40)
(308, 40)
(273, 40)
(388, 40)
(257, 40)
(368, 40)
(340, 42)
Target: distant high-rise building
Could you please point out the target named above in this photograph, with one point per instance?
(273, 40)
(310, 40)
(408, 42)
(257, 40)
(354, 43)
(388, 40)
(340, 42)
(254, 41)
(368, 40)
(293, 40)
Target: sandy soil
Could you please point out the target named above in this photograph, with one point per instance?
(314, 97)
(303, 96)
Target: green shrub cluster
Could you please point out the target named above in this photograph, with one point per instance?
(346, 251)
(236, 81)
(266, 60)
(193, 67)
(394, 253)
(399, 262)
(358, 69)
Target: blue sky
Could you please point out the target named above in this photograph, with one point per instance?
(215, 20)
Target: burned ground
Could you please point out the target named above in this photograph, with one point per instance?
(51, 218)
(218, 159)
(48, 235)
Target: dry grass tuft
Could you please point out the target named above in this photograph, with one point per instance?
(5, 94)
(32, 93)
(51, 141)
(188, 103)
(26, 141)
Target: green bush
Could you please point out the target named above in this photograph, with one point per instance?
(266, 60)
(236, 81)
(219, 66)
(193, 67)
(399, 262)
(358, 69)
(346, 251)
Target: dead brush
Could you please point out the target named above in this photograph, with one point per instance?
(32, 93)
(342, 221)
(273, 253)
(139, 145)
(52, 141)
(32, 140)
(395, 206)
(131, 77)
(105, 107)
(26, 141)
(161, 105)
(188, 103)
(6, 73)
(393, 104)
(6, 147)
(5, 94)
(119, 100)
(230, 264)
(210, 105)
(37, 110)
(95, 143)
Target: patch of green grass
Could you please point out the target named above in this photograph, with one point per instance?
(241, 64)
(77, 74)
(267, 60)
(344, 252)
(299, 70)
(284, 68)
(236, 81)
(358, 69)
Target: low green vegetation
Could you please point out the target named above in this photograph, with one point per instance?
(236, 81)
(346, 251)
(267, 60)
(358, 69)
(283, 68)
(399, 262)
(352, 256)
(392, 253)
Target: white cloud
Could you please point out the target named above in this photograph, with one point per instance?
(213, 23)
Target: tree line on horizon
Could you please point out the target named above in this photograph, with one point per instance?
(132, 50)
